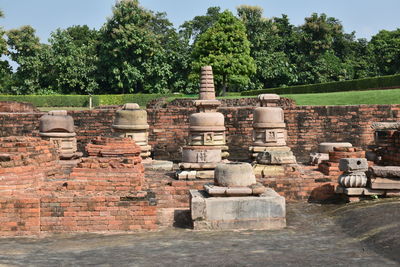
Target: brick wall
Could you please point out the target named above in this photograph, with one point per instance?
(101, 193)
(307, 125)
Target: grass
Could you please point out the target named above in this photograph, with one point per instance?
(380, 97)
(372, 97)
(62, 108)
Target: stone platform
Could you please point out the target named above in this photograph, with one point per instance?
(265, 212)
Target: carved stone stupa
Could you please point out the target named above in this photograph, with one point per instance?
(58, 127)
(131, 121)
(207, 142)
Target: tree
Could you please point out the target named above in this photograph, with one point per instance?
(317, 60)
(385, 48)
(177, 53)
(5, 68)
(225, 47)
(26, 50)
(131, 55)
(319, 32)
(270, 47)
(200, 24)
(73, 62)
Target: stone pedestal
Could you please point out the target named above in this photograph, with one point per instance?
(264, 212)
(207, 141)
(236, 201)
(58, 128)
(131, 121)
(269, 135)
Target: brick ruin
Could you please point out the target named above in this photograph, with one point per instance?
(109, 189)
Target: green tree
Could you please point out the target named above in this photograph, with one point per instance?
(200, 24)
(26, 50)
(74, 60)
(317, 60)
(385, 48)
(131, 55)
(177, 53)
(226, 48)
(270, 47)
(5, 68)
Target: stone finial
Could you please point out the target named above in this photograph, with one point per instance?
(130, 106)
(207, 89)
(269, 100)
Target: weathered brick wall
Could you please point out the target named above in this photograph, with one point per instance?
(101, 193)
(307, 125)
(19, 215)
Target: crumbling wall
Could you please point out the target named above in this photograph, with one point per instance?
(101, 193)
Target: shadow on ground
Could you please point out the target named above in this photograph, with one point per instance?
(363, 234)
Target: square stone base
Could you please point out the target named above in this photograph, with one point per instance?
(265, 212)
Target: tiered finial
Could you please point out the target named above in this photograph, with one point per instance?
(207, 89)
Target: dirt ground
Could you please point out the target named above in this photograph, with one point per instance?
(361, 234)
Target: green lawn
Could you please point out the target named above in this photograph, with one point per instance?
(61, 108)
(348, 98)
(323, 99)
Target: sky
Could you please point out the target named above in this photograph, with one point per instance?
(366, 17)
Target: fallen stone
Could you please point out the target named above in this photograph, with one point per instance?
(385, 125)
(159, 165)
(353, 164)
(317, 158)
(276, 157)
(385, 171)
(327, 147)
(385, 183)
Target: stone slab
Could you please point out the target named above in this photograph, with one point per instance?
(159, 165)
(267, 211)
(258, 149)
(222, 191)
(385, 171)
(385, 183)
(268, 170)
(194, 174)
(327, 147)
(382, 126)
(358, 191)
(197, 166)
(276, 157)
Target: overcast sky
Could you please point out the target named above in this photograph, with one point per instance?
(366, 17)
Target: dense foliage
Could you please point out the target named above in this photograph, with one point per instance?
(139, 51)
